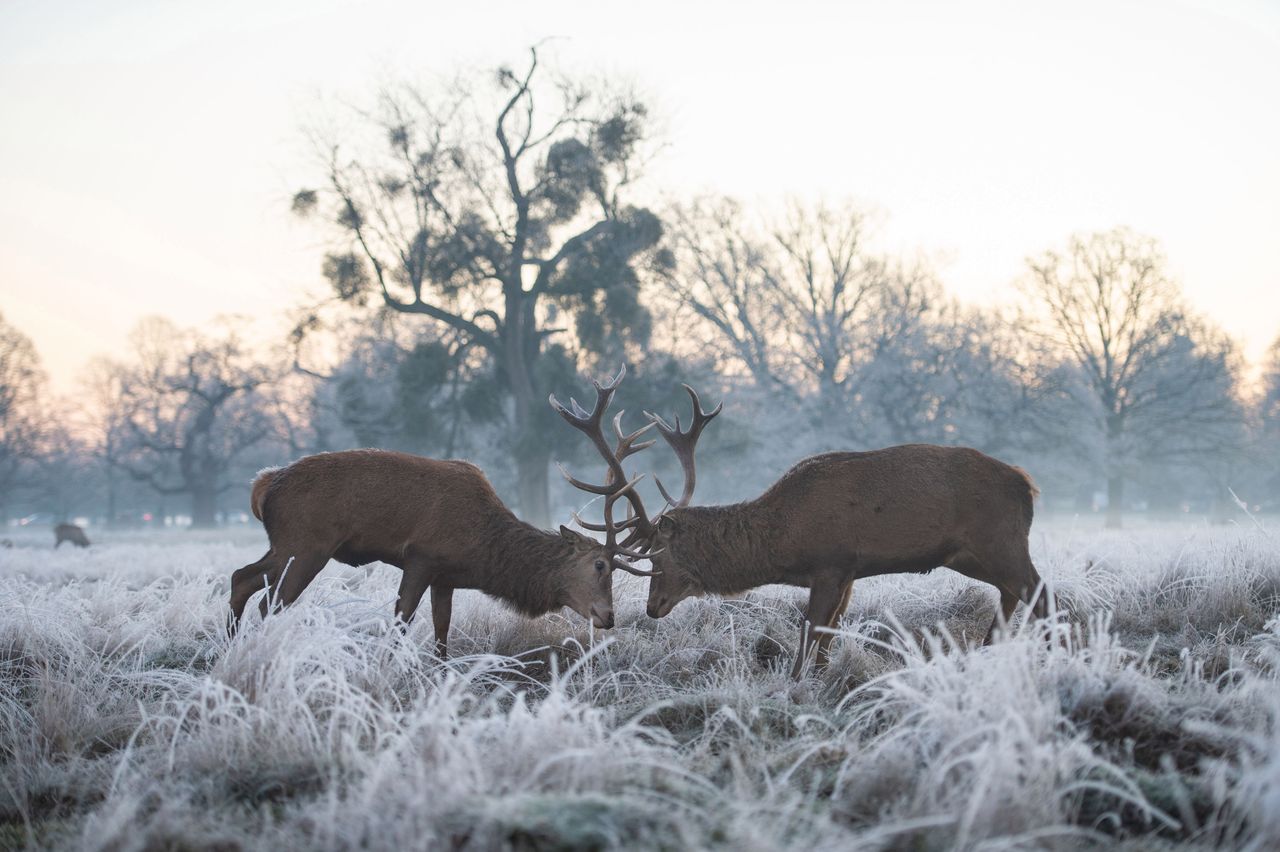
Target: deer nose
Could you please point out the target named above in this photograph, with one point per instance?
(602, 620)
(654, 610)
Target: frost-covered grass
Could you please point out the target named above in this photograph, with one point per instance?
(128, 721)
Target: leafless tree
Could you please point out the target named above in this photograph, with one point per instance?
(187, 411)
(726, 275)
(806, 306)
(1159, 381)
(833, 287)
(102, 404)
(21, 418)
(1269, 420)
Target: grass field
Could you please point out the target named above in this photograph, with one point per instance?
(128, 721)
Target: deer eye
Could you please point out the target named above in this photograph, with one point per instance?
(601, 565)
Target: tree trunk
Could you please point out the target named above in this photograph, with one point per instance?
(533, 487)
(111, 498)
(521, 349)
(1115, 500)
(204, 508)
(1115, 476)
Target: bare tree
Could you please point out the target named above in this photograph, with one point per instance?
(496, 218)
(187, 411)
(726, 275)
(805, 306)
(1269, 420)
(102, 403)
(21, 420)
(1156, 378)
(1007, 392)
(833, 286)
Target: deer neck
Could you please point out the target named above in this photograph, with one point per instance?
(727, 549)
(526, 567)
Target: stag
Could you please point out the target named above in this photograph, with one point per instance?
(438, 521)
(838, 517)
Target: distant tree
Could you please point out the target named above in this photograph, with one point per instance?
(835, 288)
(391, 384)
(1271, 386)
(1159, 382)
(905, 382)
(727, 276)
(500, 212)
(188, 407)
(21, 418)
(103, 410)
(1269, 420)
(1007, 394)
(809, 310)
(64, 480)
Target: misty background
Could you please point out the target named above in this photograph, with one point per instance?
(496, 229)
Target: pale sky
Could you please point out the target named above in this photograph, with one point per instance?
(149, 149)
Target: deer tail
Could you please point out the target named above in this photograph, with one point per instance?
(1031, 483)
(258, 494)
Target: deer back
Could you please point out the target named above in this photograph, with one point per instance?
(376, 503)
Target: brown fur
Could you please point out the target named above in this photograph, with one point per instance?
(71, 533)
(258, 492)
(439, 521)
(838, 517)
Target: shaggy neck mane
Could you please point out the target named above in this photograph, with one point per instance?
(527, 565)
(727, 549)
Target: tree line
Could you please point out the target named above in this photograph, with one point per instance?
(491, 241)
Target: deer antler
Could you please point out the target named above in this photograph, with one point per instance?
(683, 444)
(616, 484)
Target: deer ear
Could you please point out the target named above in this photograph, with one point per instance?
(567, 534)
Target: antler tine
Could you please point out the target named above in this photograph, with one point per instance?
(684, 443)
(626, 441)
(631, 569)
(612, 384)
(616, 486)
(665, 496)
(610, 528)
(587, 525)
(585, 486)
(700, 418)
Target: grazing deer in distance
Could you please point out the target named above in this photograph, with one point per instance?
(71, 533)
(440, 522)
(838, 517)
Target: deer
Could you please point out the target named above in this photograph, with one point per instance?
(838, 517)
(438, 521)
(71, 533)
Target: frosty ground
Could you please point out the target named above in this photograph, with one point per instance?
(128, 721)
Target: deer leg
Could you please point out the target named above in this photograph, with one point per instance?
(412, 586)
(1036, 595)
(244, 583)
(971, 566)
(441, 612)
(825, 594)
(1012, 573)
(824, 639)
(286, 582)
(1008, 603)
